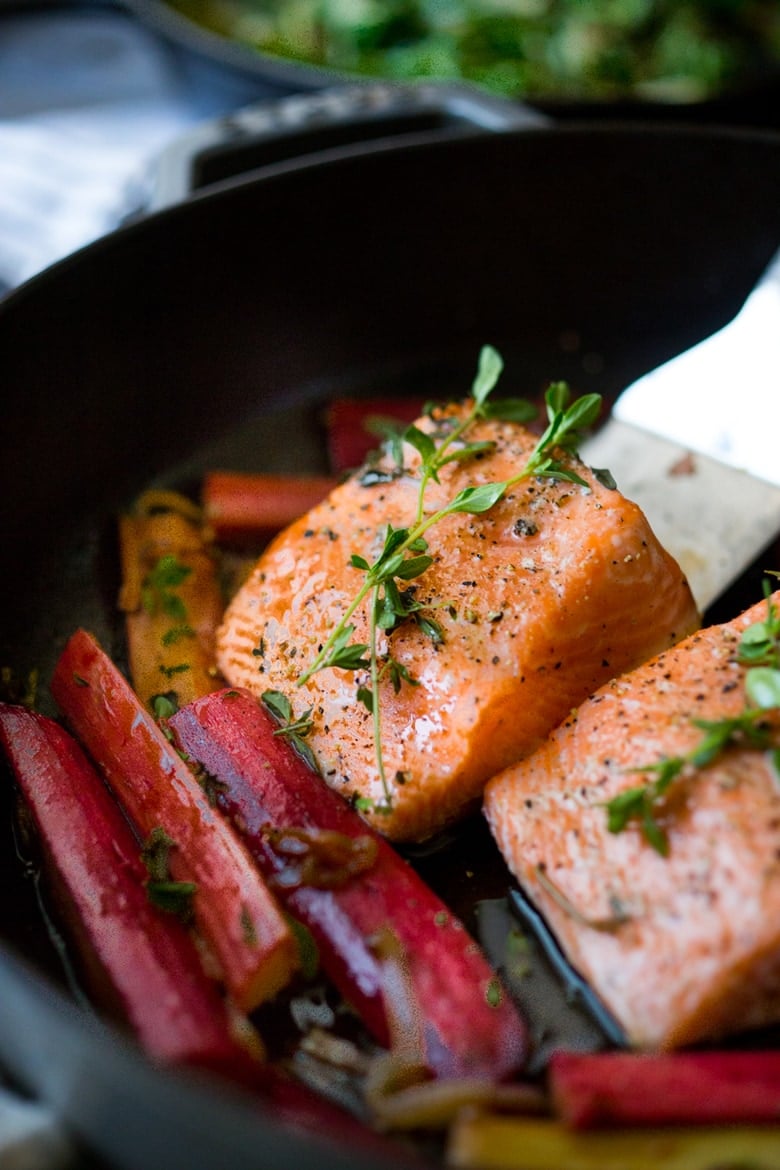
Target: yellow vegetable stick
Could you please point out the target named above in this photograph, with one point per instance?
(171, 598)
(482, 1141)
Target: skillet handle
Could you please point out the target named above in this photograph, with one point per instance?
(267, 134)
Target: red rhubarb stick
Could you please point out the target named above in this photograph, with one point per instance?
(140, 961)
(142, 964)
(681, 1088)
(238, 508)
(468, 1024)
(233, 908)
(354, 426)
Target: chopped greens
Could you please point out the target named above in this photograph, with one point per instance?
(661, 50)
(158, 592)
(293, 729)
(163, 892)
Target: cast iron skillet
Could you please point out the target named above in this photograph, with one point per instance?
(213, 331)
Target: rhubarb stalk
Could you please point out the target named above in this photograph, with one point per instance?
(589, 1090)
(142, 965)
(233, 909)
(243, 508)
(139, 961)
(467, 1024)
(356, 426)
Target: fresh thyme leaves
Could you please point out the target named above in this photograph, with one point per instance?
(763, 687)
(390, 431)
(566, 424)
(430, 627)
(176, 634)
(760, 643)
(164, 705)
(155, 853)
(641, 803)
(212, 787)
(172, 671)
(158, 590)
(518, 410)
(171, 896)
(405, 557)
(160, 596)
(295, 730)
(759, 650)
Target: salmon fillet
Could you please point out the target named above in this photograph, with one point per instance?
(540, 600)
(680, 947)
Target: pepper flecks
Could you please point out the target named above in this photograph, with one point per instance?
(488, 607)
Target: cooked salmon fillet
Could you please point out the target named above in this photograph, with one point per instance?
(540, 600)
(679, 947)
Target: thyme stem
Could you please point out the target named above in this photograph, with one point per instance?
(376, 716)
(759, 649)
(404, 557)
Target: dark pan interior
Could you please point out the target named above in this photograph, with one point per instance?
(214, 332)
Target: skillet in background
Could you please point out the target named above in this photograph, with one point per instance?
(215, 330)
(750, 98)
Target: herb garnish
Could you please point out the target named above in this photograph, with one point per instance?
(293, 729)
(759, 649)
(405, 557)
(171, 896)
(164, 705)
(176, 634)
(171, 671)
(157, 590)
(159, 596)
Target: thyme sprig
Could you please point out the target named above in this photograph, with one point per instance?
(759, 649)
(174, 897)
(405, 557)
(291, 727)
(158, 590)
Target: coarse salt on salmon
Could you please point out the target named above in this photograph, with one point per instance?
(540, 600)
(680, 947)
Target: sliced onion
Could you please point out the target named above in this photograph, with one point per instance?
(399, 1091)
(400, 1100)
(335, 1050)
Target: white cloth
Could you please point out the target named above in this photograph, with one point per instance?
(88, 99)
(65, 181)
